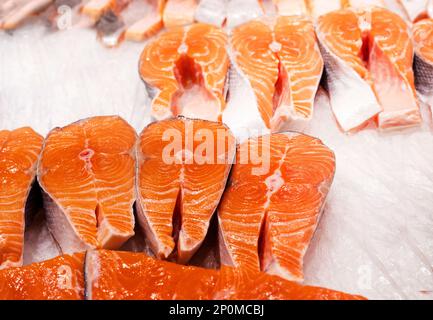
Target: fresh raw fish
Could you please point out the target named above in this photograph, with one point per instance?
(212, 11)
(273, 202)
(281, 62)
(19, 152)
(148, 25)
(123, 275)
(14, 12)
(241, 11)
(185, 71)
(87, 174)
(180, 183)
(423, 38)
(61, 278)
(368, 57)
(96, 8)
(291, 7)
(179, 13)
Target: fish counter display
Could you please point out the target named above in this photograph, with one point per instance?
(264, 153)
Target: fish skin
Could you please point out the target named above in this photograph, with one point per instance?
(423, 39)
(60, 278)
(108, 277)
(178, 186)
(102, 214)
(252, 226)
(176, 65)
(19, 152)
(282, 65)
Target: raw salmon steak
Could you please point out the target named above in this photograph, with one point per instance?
(61, 278)
(368, 57)
(185, 71)
(87, 174)
(179, 13)
(19, 152)
(123, 275)
(423, 38)
(273, 202)
(281, 62)
(183, 169)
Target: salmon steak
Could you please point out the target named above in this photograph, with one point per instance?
(423, 38)
(123, 275)
(61, 278)
(273, 202)
(19, 152)
(368, 57)
(185, 71)
(280, 61)
(183, 166)
(87, 174)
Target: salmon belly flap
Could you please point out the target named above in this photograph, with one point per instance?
(368, 58)
(19, 152)
(124, 275)
(281, 62)
(183, 166)
(273, 202)
(87, 174)
(185, 71)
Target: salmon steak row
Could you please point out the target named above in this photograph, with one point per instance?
(116, 275)
(268, 191)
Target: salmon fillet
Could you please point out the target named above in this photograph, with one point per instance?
(19, 152)
(87, 174)
(123, 275)
(273, 202)
(185, 72)
(281, 62)
(179, 13)
(423, 39)
(61, 278)
(183, 169)
(368, 57)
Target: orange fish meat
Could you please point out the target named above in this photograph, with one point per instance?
(185, 71)
(368, 56)
(423, 38)
(123, 275)
(61, 278)
(273, 202)
(182, 171)
(281, 61)
(87, 174)
(19, 152)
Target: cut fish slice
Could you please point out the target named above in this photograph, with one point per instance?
(212, 12)
(148, 25)
(180, 183)
(179, 13)
(281, 62)
(423, 38)
(96, 8)
(87, 173)
(14, 12)
(57, 279)
(185, 71)
(241, 11)
(368, 57)
(122, 275)
(19, 152)
(273, 202)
